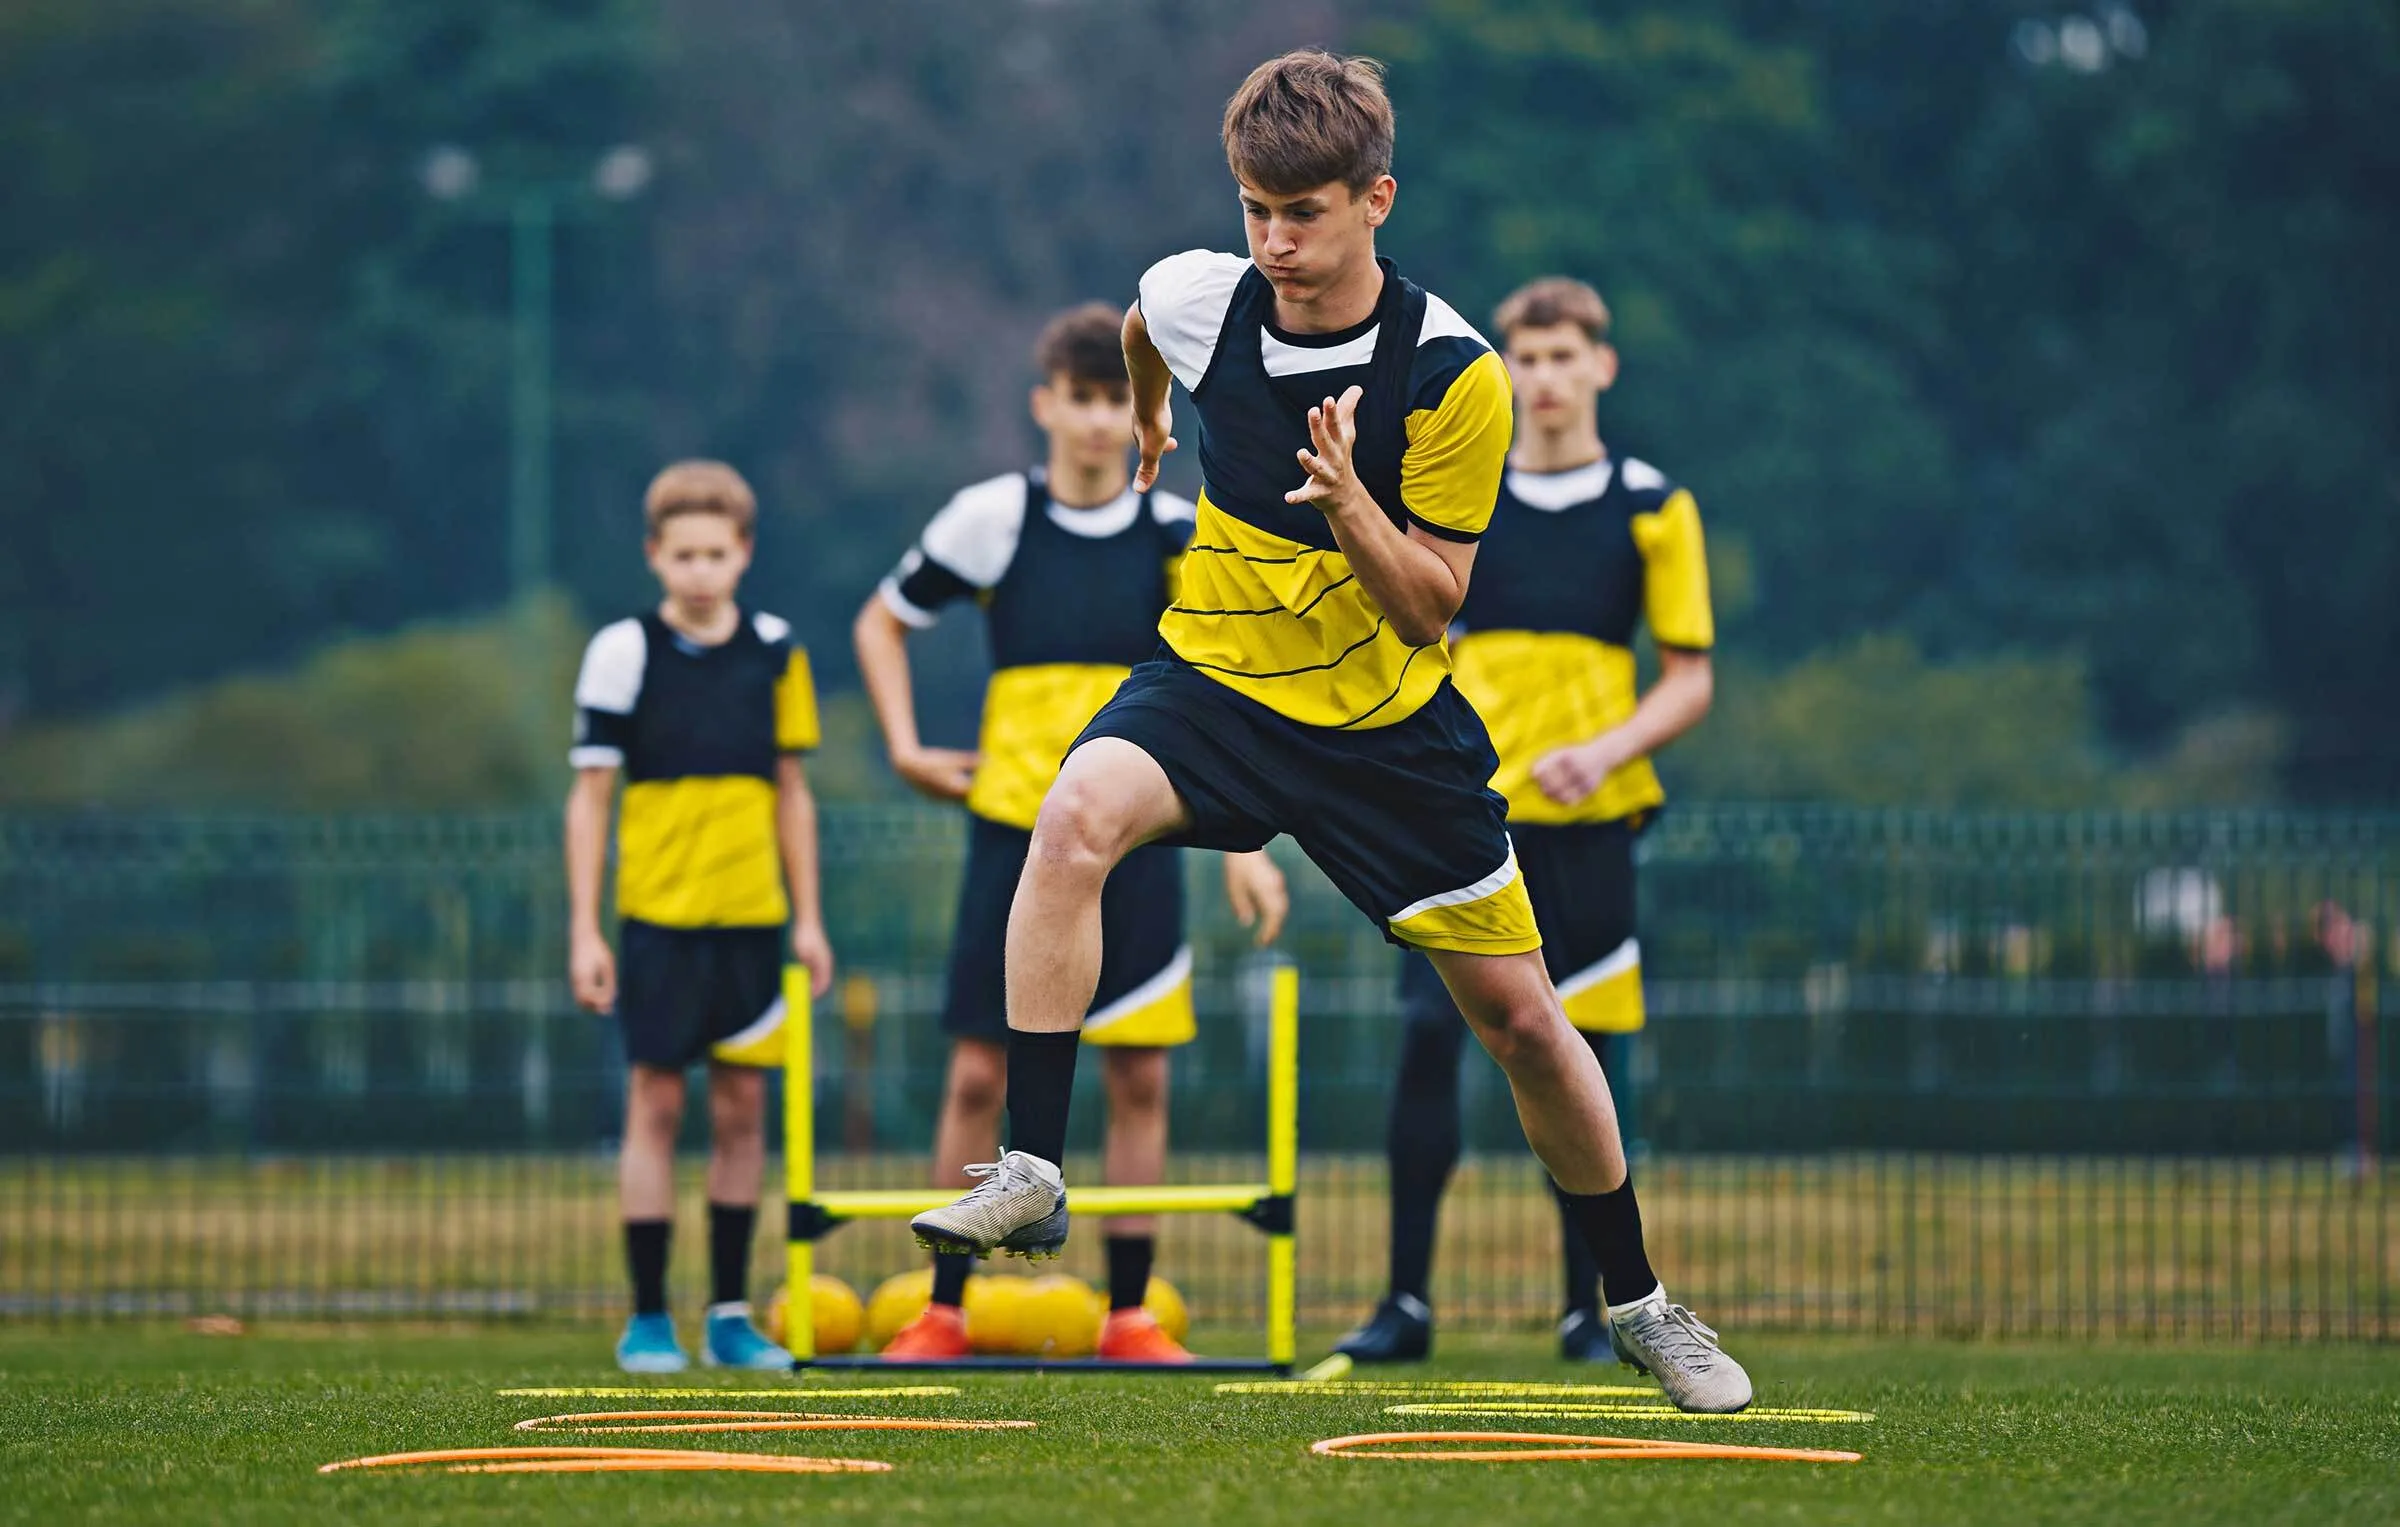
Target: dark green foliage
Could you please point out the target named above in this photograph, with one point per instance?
(2082, 377)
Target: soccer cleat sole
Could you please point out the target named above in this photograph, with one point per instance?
(1041, 1241)
(1643, 1369)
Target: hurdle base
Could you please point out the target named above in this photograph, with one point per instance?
(864, 1361)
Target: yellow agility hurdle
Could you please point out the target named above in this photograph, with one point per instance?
(811, 1216)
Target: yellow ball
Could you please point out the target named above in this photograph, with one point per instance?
(1167, 1308)
(997, 1316)
(834, 1308)
(837, 1313)
(1062, 1316)
(897, 1300)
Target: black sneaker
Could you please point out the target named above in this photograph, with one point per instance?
(1583, 1338)
(1400, 1331)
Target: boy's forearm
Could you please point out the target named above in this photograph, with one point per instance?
(881, 642)
(796, 838)
(1144, 366)
(587, 852)
(1678, 702)
(1415, 587)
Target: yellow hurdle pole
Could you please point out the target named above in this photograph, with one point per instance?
(799, 1161)
(1283, 1157)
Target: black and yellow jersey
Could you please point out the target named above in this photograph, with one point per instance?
(697, 731)
(1573, 564)
(1268, 605)
(1071, 599)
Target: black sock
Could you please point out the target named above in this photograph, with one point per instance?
(729, 1227)
(1129, 1259)
(1612, 1227)
(950, 1272)
(1422, 1145)
(1583, 1273)
(646, 1258)
(1575, 1253)
(1041, 1085)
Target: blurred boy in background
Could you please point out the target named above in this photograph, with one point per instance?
(1583, 549)
(1072, 568)
(705, 708)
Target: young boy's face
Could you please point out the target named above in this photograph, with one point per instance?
(1303, 243)
(1558, 372)
(1090, 424)
(699, 560)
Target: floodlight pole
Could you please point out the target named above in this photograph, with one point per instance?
(531, 210)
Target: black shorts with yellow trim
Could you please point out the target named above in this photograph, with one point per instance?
(688, 994)
(1145, 994)
(1400, 818)
(1580, 877)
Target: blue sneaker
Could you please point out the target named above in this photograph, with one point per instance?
(649, 1346)
(733, 1342)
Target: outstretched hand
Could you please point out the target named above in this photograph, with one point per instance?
(1333, 431)
(1155, 436)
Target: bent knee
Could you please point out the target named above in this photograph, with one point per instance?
(1079, 830)
(1137, 1080)
(978, 1079)
(1519, 1030)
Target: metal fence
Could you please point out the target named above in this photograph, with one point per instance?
(2063, 1074)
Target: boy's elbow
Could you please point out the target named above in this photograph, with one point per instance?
(1422, 628)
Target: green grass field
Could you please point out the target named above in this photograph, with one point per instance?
(135, 1425)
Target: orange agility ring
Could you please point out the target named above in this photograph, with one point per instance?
(595, 1422)
(606, 1460)
(1596, 1449)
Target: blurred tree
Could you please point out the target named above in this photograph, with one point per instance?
(2077, 357)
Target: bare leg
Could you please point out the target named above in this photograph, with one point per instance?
(969, 1128)
(1562, 1099)
(737, 1118)
(646, 1161)
(1136, 1151)
(1111, 798)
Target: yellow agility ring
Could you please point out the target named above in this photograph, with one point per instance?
(605, 1460)
(1520, 1412)
(1527, 1448)
(597, 1422)
(1478, 1389)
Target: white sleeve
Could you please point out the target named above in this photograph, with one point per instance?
(1184, 299)
(608, 686)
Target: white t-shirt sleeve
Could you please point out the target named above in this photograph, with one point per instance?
(967, 547)
(605, 691)
(1184, 300)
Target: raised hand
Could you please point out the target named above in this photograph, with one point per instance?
(1333, 431)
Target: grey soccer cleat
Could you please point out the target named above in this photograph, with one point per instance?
(1018, 1205)
(1667, 1342)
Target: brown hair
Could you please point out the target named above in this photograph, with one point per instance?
(700, 487)
(1084, 344)
(1307, 119)
(1551, 301)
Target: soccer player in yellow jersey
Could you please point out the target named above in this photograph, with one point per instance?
(1071, 567)
(1353, 433)
(1583, 549)
(704, 707)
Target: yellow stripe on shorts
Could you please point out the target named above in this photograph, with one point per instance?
(1605, 997)
(1157, 1013)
